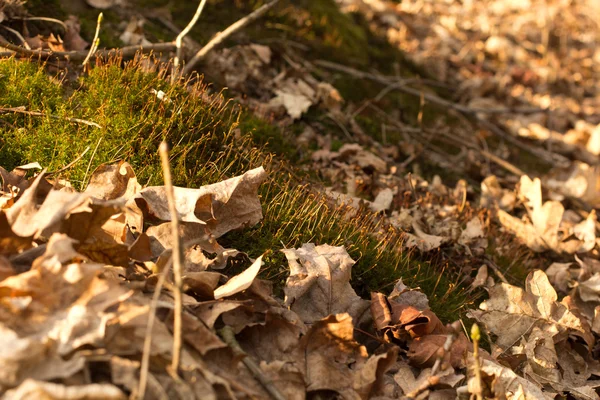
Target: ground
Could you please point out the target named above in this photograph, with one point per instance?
(451, 151)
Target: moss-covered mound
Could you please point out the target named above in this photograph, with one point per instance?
(207, 146)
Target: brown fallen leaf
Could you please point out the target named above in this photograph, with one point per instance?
(223, 206)
(33, 389)
(423, 351)
(239, 282)
(72, 39)
(51, 311)
(113, 181)
(319, 283)
(543, 232)
(329, 347)
(511, 313)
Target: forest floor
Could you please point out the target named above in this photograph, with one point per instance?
(373, 199)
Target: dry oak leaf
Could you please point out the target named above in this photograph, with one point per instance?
(399, 316)
(239, 282)
(34, 389)
(331, 350)
(319, 283)
(543, 231)
(505, 382)
(113, 181)
(50, 311)
(222, 206)
(512, 313)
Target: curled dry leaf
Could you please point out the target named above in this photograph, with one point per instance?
(543, 231)
(511, 313)
(223, 206)
(239, 282)
(505, 382)
(330, 348)
(581, 181)
(50, 311)
(319, 283)
(492, 194)
(33, 389)
(113, 181)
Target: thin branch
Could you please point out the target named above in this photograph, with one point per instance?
(75, 56)
(22, 110)
(95, 42)
(221, 36)
(69, 165)
(144, 365)
(179, 39)
(18, 35)
(177, 256)
(228, 337)
(545, 155)
(46, 19)
(434, 378)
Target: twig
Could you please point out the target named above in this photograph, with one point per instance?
(393, 83)
(22, 110)
(75, 56)
(228, 337)
(46, 19)
(221, 36)
(18, 35)
(69, 165)
(95, 42)
(496, 270)
(177, 256)
(179, 39)
(545, 155)
(144, 365)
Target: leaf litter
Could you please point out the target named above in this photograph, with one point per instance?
(78, 269)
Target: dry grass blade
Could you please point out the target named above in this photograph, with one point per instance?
(177, 256)
(22, 110)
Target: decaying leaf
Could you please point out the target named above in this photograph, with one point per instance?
(222, 206)
(239, 282)
(32, 389)
(330, 348)
(543, 231)
(511, 312)
(319, 283)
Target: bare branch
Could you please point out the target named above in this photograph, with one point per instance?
(127, 51)
(22, 110)
(179, 39)
(221, 36)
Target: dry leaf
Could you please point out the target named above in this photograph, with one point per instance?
(239, 282)
(319, 283)
(32, 389)
(113, 181)
(223, 206)
(511, 313)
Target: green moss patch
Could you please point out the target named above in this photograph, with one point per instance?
(211, 140)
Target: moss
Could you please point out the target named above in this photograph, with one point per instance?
(209, 143)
